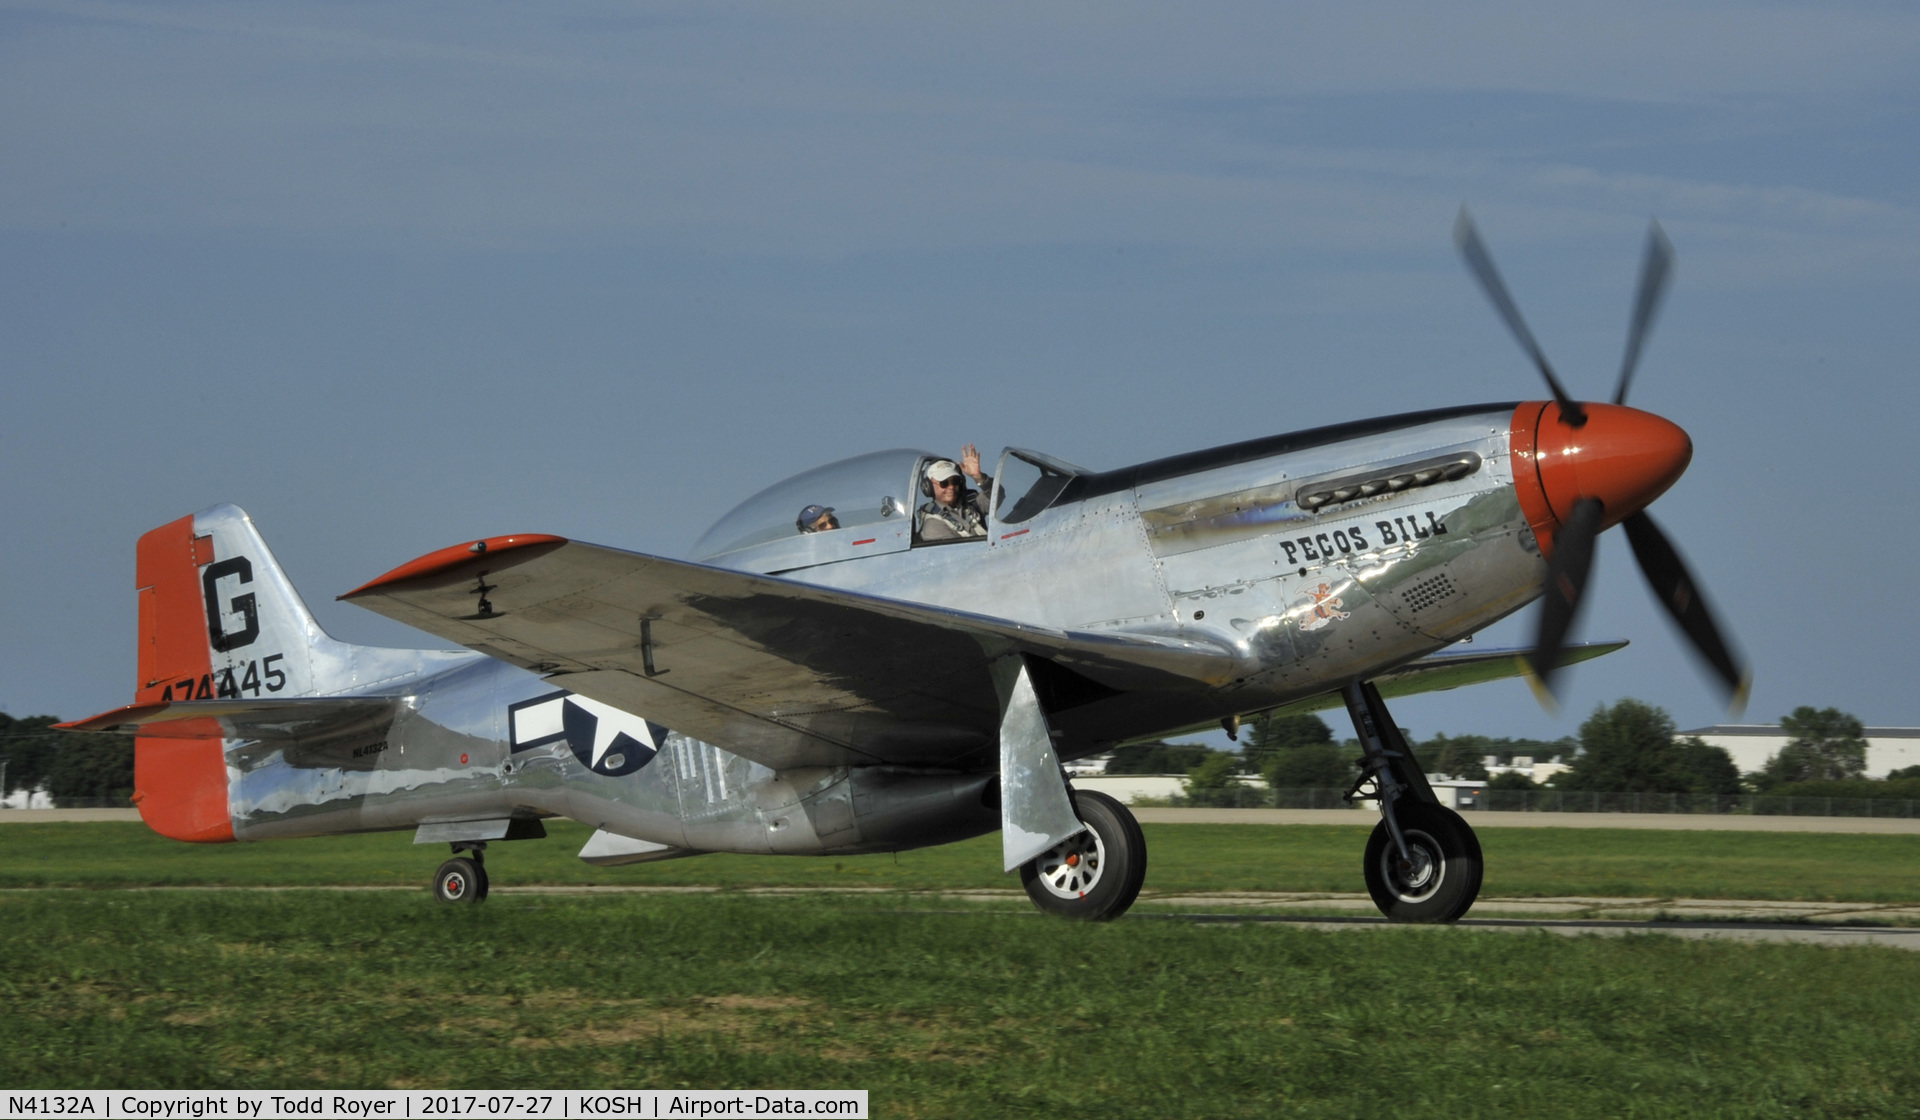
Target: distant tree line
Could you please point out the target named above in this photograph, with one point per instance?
(1630, 748)
(1158, 758)
(1626, 747)
(1301, 752)
(64, 764)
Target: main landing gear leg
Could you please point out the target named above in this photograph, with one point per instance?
(1423, 862)
(1080, 854)
(464, 877)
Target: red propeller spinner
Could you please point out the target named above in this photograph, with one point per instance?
(1621, 455)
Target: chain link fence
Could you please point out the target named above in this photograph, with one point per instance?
(1568, 801)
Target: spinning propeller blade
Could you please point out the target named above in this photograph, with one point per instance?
(1567, 572)
(1481, 263)
(1655, 267)
(1672, 584)
(1571, 562)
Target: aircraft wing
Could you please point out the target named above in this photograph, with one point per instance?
(1454, 667)
(785, 673)
(1463, 665)
(302, 718)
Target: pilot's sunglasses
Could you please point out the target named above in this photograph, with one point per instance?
(946, 482)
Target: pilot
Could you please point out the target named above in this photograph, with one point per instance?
(817, 519)
(956, 511)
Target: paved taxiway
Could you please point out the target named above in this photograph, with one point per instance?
(1805, 923)
(1892, 938)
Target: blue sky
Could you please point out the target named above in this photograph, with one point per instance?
(394, 276)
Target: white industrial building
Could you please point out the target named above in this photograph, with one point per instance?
(1752, 744)
(1130, 788)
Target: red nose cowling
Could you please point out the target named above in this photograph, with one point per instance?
(1622, 456)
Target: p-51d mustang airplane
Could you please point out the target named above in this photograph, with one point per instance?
(861, 689)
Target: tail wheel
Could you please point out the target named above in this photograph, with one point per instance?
(1095, 875)
(1441, 876)
(460, 880)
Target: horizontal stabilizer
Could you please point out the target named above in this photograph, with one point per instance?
(299, 718)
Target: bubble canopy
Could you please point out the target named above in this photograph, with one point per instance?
(863, 490)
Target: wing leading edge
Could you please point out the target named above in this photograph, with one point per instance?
(1453, 668)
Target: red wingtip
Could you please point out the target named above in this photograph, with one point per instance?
(446, 559)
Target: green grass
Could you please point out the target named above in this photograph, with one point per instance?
(1520, 862)
(940, 1014)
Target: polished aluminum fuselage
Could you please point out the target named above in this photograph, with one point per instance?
(1221, 549)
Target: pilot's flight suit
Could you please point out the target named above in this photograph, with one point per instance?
(966, 518)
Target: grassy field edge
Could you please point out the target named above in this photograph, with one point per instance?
(1184, 858)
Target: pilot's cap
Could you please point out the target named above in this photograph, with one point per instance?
(942, 469)
(810, 515)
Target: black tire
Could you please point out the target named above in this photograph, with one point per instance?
(460, 880)
(1095, 875)
(1445, 878)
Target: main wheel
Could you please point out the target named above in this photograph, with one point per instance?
(1094, 875)
(460, 880)
(1442, 877)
